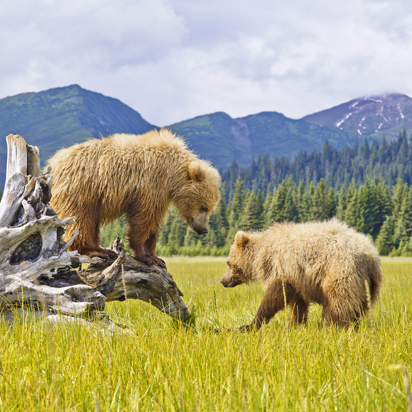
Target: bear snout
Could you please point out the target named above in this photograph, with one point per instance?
(223, 282)
(200, 230)
(227, 282)
(199, 223)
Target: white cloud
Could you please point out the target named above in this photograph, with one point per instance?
(172, 60)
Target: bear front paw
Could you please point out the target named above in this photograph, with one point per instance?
(151, 260)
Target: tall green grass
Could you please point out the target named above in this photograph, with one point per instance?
(164, 366)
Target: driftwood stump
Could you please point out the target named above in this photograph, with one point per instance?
(36, 268)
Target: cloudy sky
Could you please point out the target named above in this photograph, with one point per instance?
(173, 60)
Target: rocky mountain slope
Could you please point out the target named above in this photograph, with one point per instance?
(369, 116)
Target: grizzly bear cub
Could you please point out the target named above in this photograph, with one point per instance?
(99, 181)
(316, 262)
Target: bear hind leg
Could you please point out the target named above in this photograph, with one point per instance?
(340, 312)
(88, 242)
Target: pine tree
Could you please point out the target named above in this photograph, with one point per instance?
(210, 238)
(384, 200)
(351, 213)
(221, 222)
(277, 212)
(191, 238)
(237, 203)
(398, 194)
(260, 210)
(368, 209)
(407, 249)
(400, 237)
(291, 211)
(384, 241)
(330, 204)
(341, 207)
(406, 212)
(305, 210)
(177, 233)
(251, 216)
(267, 206)
(311, 189)
(299, 199)
(163, 236)
(319, 201)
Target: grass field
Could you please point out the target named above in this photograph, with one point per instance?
(163, 366)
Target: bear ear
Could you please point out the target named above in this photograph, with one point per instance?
(242, 239)
(196, 172)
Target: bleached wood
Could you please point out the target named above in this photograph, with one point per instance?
(33, 161)
(16, 156)
(22, 160)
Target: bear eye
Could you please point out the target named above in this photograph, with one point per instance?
(204, 208)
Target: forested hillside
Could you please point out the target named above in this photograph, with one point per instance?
(367, 186)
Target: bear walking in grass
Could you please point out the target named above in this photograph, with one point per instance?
(317, 262)
(99, 181)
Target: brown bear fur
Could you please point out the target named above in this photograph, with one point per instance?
(317, 262)
(99, 181)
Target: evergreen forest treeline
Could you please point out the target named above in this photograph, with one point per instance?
(368, 186)
(391, 160)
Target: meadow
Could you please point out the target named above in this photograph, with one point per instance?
(163, 366)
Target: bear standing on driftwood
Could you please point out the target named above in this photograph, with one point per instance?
(99, 181)
(326, 263)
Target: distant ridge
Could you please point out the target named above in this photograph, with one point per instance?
(63, 116)
(369, 116)
(221, 138)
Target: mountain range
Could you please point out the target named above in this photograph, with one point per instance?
(63, 116)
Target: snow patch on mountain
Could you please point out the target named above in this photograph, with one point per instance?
(343, 120)
(400, 111)
(379, 127)
(360, 125)
(373, 100)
